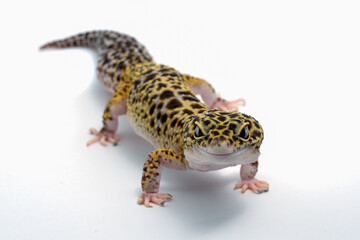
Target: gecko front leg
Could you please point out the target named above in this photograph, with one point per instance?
(248, 180)
(210, 97)
(150, 181)
(115, 107)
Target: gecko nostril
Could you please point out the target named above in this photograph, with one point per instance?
(222, 139)
(215, 142)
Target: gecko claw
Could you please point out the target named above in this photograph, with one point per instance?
(156, 198)
(254, 185)
(103, 137)
(224, 105)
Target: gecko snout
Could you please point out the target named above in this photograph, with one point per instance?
(221, 145)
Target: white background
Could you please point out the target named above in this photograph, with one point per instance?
(295, 62)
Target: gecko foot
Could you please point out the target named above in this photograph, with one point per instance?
(254, 185)
(224, 105)
(157, 198)
(104, 137)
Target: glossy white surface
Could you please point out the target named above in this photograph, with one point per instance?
(296, 64)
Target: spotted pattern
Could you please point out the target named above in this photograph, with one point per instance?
(165, 108)
(161, 104)
(236, 129)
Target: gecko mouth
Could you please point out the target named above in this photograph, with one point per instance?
(201, 159)
(223, 154)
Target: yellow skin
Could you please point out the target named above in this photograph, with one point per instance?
(162, 107)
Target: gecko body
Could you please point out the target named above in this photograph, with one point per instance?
(162, 107)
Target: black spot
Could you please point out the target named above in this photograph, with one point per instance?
(142, 88)
(150, 77)
(216, 121)
(163, 118)
(166, 94)
(210, 140)
(173, 114)
(207, 122)
(257, 125)
(152, 109)
(159, 106)
(190, 98)
(148, 71)
(161, 85)
(257, 133)
(165, 129)
(176, 87)
(233, 115)
(158, 116)
(153, 97)
(216, 133)
(232, 126)
(230, 141)
(221, 127)
(247, 116)
(152, 122)
(222, 138)
(180, 124)
(221, 118)
(187, 111)
(196, 105)
(226, 132)
(173, 122)
(136, 83)
(185, 93)
(174, 103)
(235, 138)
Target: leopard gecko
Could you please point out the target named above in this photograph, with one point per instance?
(162, 107)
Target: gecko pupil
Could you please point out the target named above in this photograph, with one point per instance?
(244, 133)
(198, 132)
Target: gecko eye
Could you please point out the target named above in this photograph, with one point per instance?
(198, 132)
(244, 132)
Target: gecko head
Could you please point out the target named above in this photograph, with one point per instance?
(216, 139)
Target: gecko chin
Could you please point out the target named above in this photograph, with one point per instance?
(203, 159)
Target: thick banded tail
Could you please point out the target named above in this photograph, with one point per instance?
(102, 41)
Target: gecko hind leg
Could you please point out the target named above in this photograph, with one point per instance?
(225, 105)
(210, 97)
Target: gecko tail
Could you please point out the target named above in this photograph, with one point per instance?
(102, 41)
(87, 39)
